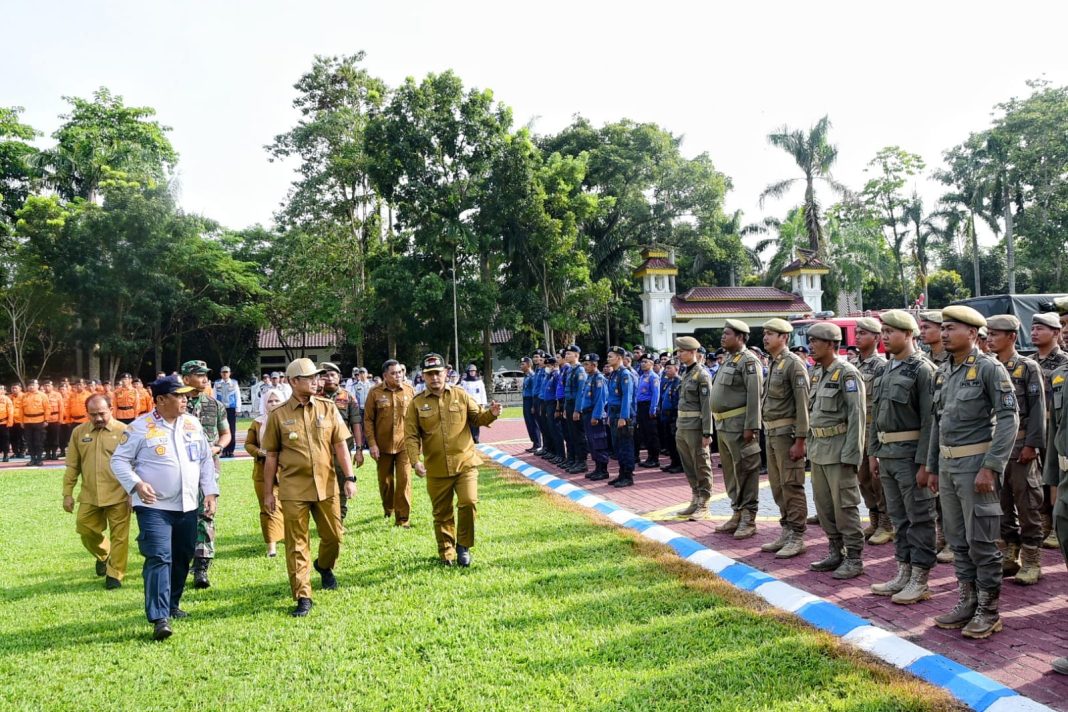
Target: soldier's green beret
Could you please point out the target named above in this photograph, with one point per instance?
(1050, 319)
(869, 324)
(739, 326)
(1003, 322)
(191, 367)
(825, 331)
(1061, 305)
(687, 343)
(965, 315)
(900, 319)
(935, 316)
(779, 326)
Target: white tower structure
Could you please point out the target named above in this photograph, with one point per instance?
(657, 273)
(806, 278)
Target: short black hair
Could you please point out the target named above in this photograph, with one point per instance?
(106, 398)
(389, 363)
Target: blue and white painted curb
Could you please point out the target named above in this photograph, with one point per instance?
(970, 687)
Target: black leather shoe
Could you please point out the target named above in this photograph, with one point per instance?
(111, 583)
(304, 605)
(538, 451)
(598, 475)
(624, 482)
(674, 469)
(101, 567)
(463, 556)
(329, 580)
(162, 630)
(530, 449)
(178, 613)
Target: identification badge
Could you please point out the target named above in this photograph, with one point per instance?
(161, 450)
(293, 436)
(973, 373)
(88, 439)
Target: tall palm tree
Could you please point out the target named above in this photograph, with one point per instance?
(924, 228)
(783, 237)
(815, 157)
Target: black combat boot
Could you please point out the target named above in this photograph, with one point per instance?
(963, 612)
(833, 559)
(200, 572)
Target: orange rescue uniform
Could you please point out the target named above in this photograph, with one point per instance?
(125, 402)
(35, 407)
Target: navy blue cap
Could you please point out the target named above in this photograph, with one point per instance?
(551, 360)
(618, 350)
(525, 359)
(167, 385)
(591, 358)
(573, 348)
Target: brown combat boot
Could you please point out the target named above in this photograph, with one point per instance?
(746, 525)
(730, 525)
(1010, 558)
(1030, 566)
(702, 508)
(779, 543)
(851, 566)
(688, 509)
(833, 559)
(794, 545)
(964, 610)
(986, 620)
(943, 554)
(884, 531)
(1049, 534)
(917, 589)
(904, 573)
(813, 519)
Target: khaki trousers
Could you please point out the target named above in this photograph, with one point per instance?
(837, 495)
(741, 469)
(695, 462)
(91, 522)
(395, 485)
(270, 524)
(787, 480)
(1021, 504)
(447, 531)
(327, 515)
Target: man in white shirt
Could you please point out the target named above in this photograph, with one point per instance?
(163, 461)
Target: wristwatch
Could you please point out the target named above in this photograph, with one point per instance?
(350, 479)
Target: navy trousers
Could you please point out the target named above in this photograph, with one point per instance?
(596, 439)
(166, 541)
(533, 431)
(623, 441)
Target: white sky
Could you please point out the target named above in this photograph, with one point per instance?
(921, 75)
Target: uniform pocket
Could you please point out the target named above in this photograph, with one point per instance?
(849, 489)
(986, 521)
(899, 393)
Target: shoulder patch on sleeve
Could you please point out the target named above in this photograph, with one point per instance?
(1008, 400)
(750, 367)
(125, 437)
(802, 381)
(850, 384)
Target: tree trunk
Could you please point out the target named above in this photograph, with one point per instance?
(1010, 247)
(975, 255)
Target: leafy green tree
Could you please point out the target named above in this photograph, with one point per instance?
(892, 167)
(946, 286)
(18, 177)
(332, 196)
(105, 137)
(815, 156)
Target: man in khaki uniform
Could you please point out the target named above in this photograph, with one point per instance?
(870, 363)
(302, 439)
(785, 412)
(972, 436)
(693, 426)
(1021, 491)
(897, 446)
(736, 411)
(836, 448)
(1056, 459)
(349, 410)
(102, 502)
(383, 419)
(1045, 334)
(931, 336)
(438, 424)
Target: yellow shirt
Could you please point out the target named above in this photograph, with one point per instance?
(304, 437)
(383, 416)
(440, 426)
(89, 455)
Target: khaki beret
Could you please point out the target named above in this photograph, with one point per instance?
(900, 319)
(780, 326)
(869, 324)
(826, 331)
(963, 315)
(935, 317)
(1003, 322)
(687, 343)
(738, 326)
(1061, 305)
(1050, 319)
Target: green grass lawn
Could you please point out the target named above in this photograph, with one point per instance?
(558, 612)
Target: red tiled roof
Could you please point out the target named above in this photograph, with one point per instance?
(718, 294)
(657, 263)
(786, 304)
(269, 340)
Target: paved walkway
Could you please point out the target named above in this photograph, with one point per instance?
(1036, 619)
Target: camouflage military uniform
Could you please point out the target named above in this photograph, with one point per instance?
(349, 410)
(212, 417)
